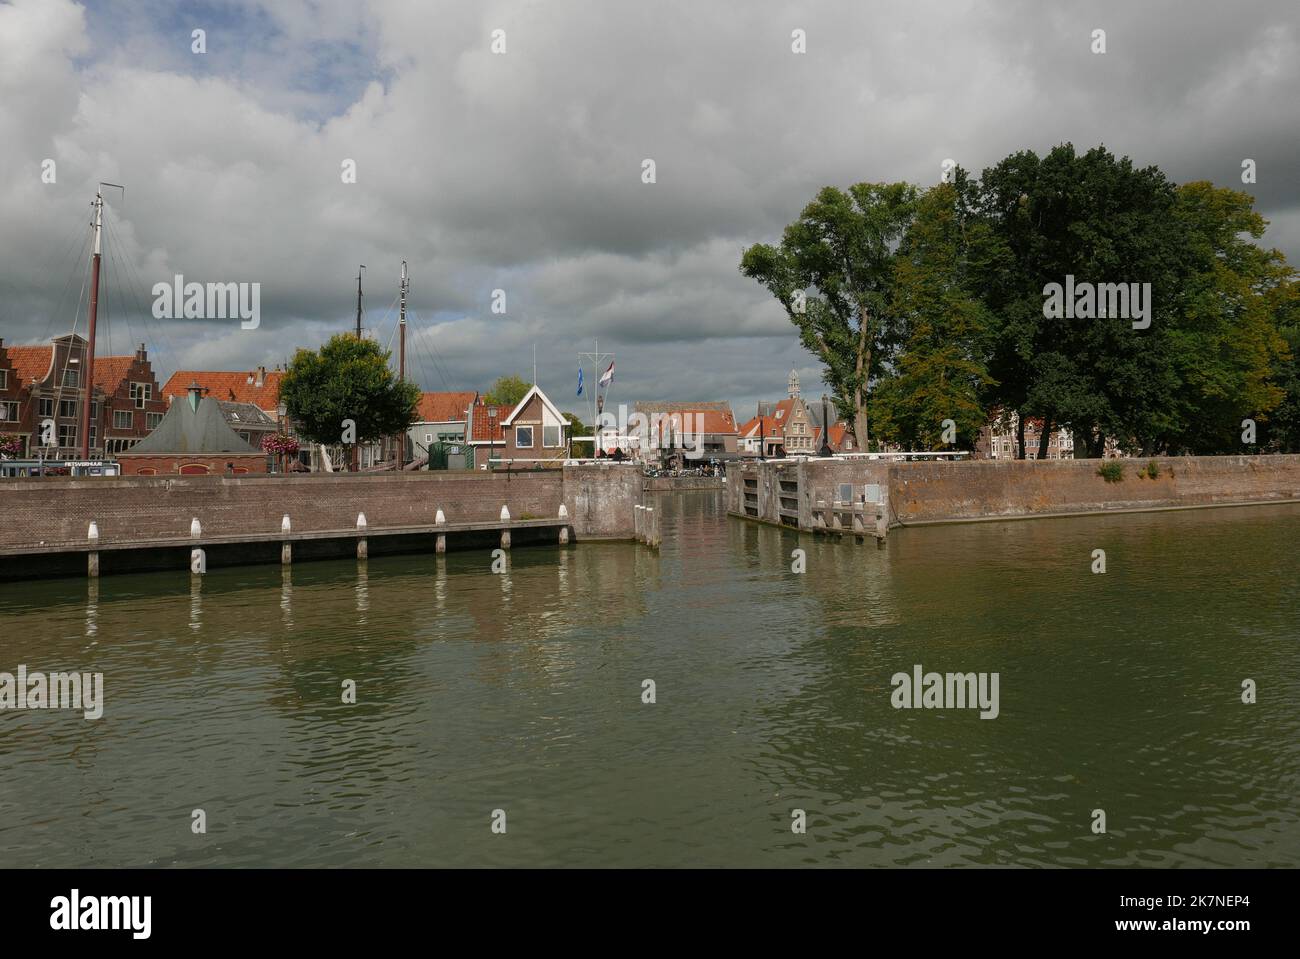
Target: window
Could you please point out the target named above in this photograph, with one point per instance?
(67, 434)
(141, 393)
(780, 413)
(4, 379)
(523, 437)
(428, 438)
(122, 419)
(71, 376)
(551, 436)
(151, 420)
(46, 406)
(68, 408)
(9, 412)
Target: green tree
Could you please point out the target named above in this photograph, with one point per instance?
(839, 256)
(1100, 220)
(579, 428)
(940, 370)
(507, 391)
(347, 379)
(1228, 344)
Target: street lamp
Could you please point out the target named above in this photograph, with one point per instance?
(826, 432)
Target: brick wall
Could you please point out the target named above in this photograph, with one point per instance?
(164, 464)
(600, 502)
(941, 491)
(947, 491)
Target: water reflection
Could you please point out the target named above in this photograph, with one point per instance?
(476, 689)
(92, 607)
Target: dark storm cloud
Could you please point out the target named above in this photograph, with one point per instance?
(522, 171)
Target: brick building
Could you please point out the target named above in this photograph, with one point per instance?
(194, 438)
(534, 433)
(39, 383)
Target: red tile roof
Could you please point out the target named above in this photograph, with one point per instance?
(485, 428)
(701, 420)
(110, 371)
(771, 428)
(30, 363)
(443, 407)
(229, 387)
(838, 432)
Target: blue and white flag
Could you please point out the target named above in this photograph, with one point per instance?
(580, 381)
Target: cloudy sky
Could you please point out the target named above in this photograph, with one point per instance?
(522, 171)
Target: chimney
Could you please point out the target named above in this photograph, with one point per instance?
(196, 393)
(261, 377)
(140, 354)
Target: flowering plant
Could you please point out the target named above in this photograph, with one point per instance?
(279, 443)
(10, 445)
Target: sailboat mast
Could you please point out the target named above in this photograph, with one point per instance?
(89, 371)
(401, 360)
(401, 339)
(362, 267)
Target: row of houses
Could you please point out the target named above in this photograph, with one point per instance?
(682, 432)
(226, 415)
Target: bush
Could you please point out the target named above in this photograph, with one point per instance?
(1153, 469)
(1112, 471)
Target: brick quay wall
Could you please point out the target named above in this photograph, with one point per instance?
(789, 492)
(54, 514)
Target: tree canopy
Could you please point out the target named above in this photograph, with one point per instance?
(933, 306)
(347, 379)
(507, 391)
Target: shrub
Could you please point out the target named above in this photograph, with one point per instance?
(1112, 471)
(1153, 469)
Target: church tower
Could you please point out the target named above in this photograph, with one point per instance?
(793, 383)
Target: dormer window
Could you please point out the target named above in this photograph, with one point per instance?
(780, 413)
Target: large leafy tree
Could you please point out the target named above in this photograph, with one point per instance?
(1228, 344)
(939, 371)
(347, 379)
(1101, 220)
(833, 273)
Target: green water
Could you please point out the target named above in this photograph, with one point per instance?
(523, 692)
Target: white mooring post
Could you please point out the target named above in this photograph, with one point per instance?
(286, 548)
(564, 530)
(92, 558)
(505, 533)
(363, 550)
(440, 545)
(196, 528)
